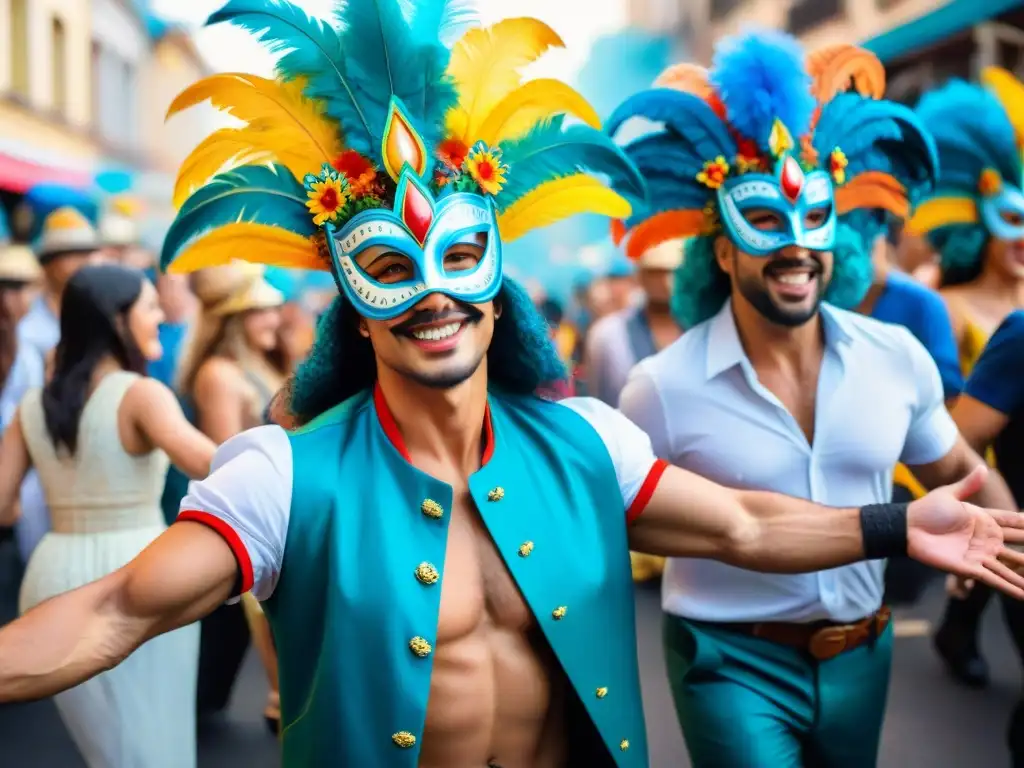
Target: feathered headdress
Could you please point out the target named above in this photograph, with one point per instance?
(356, 102)
(979, 132)
(762, 99)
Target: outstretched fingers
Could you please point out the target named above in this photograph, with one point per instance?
(1011, 557)
(998, 576)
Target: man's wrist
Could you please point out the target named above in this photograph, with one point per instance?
(884, 530)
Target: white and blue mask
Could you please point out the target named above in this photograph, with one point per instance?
(1003, 213)
(789, 193)
(423, 229)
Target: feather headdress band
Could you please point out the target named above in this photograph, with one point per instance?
(356, 105)
(766, 111)
(979, 132)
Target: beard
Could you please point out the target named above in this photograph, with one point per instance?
(755, 291)
(448, 378)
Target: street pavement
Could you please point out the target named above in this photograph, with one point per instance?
(931, 722)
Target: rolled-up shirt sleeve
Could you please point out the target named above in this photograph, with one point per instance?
(247, 500)
(932, 432)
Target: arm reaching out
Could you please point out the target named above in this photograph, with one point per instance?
(229, 538)
(178, 579)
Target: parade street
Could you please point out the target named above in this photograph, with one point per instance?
(931, 722)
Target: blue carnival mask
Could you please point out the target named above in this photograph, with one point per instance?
(423, 230)
(1007, 203)
(789, 193)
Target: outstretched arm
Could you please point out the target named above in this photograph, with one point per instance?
(179, 578)
(14, 465)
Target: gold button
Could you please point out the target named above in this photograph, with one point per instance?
(496, 494)
(525, 548)
(624, 745)
(420, 647)
(558, 613)
(601, 692)
(431, 508)
(403, 739)
(426, 573)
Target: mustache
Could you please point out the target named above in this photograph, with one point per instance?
(778, 264)
(463, 313)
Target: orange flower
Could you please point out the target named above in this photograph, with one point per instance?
(837, 163)
(990, 182)
(714, 173)
(453, 153)
(485, 166)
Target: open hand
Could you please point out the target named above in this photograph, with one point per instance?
(946, 532)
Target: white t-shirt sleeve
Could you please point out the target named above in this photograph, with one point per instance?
(247, 499)
(641, 403)
(637, 469)
(932, 433)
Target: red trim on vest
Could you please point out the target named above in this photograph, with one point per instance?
(387, 423)
(646, 491)
(230, 537)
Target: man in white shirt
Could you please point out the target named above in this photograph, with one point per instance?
(770, 389)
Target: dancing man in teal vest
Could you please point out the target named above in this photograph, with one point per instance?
(443, 555)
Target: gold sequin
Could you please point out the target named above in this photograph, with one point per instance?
(426, 573)
(496, 494)
(404, 739)
(525, 548)
(420, 647)
(431, 508)
(601, 692)
(624, 745)
(558, 613)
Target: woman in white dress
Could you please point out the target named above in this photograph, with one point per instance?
(99, 435)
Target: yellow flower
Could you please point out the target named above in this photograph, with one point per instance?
(714, 173)
(485, 166)
(837, 165)
(326, 197)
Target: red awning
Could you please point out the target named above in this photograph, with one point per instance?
(20, 175)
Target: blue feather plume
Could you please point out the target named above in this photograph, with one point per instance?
(969, 124)
(5, 230)
(665, 193)
(444, 20)
(697, 125)
(760, 77)
(665, 152)
(550, 151)
(255, 194)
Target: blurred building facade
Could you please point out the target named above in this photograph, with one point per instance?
(84, 86)
(922, 42)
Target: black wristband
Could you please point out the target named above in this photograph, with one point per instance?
(884, 528)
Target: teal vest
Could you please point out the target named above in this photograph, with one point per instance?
(352, 596)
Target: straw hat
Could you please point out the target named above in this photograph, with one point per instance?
(117, 230)
(235, 288)
(667, 255)
(66, 230)
(18, 264)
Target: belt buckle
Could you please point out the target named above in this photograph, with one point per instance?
(827, 643)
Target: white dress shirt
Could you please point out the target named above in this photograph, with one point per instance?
(879, 402)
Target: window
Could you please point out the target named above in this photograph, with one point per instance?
(807, 14)
(19, 47)
(59, 66)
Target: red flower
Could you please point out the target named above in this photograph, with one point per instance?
(359, 171)
(452, 153)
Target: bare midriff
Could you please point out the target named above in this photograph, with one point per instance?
(496, 693)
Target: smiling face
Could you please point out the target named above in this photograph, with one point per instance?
(786, 287)
(1006, 257)
(440, 342)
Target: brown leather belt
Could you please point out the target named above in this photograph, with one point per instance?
(822, 640)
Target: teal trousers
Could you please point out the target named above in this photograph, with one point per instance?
(743, 702)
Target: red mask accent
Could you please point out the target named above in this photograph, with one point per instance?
(791, 179)
(417, 213)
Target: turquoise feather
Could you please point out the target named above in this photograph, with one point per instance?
(444, 20)
(387, 56)
(550, 151)
(312, 50)
(254, 194)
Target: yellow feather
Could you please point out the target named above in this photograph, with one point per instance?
(486, 64)
(281, 121)
(1010, 93)
(559, 199)
(255, 243)
(941, 212)
(529, 104)
(221, 151)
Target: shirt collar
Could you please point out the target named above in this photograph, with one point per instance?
(390, 427)
(725, 350)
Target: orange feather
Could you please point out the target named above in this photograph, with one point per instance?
(686, 77)
(669, 225)
(833, 67)
(873, 189)
(618, 231)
